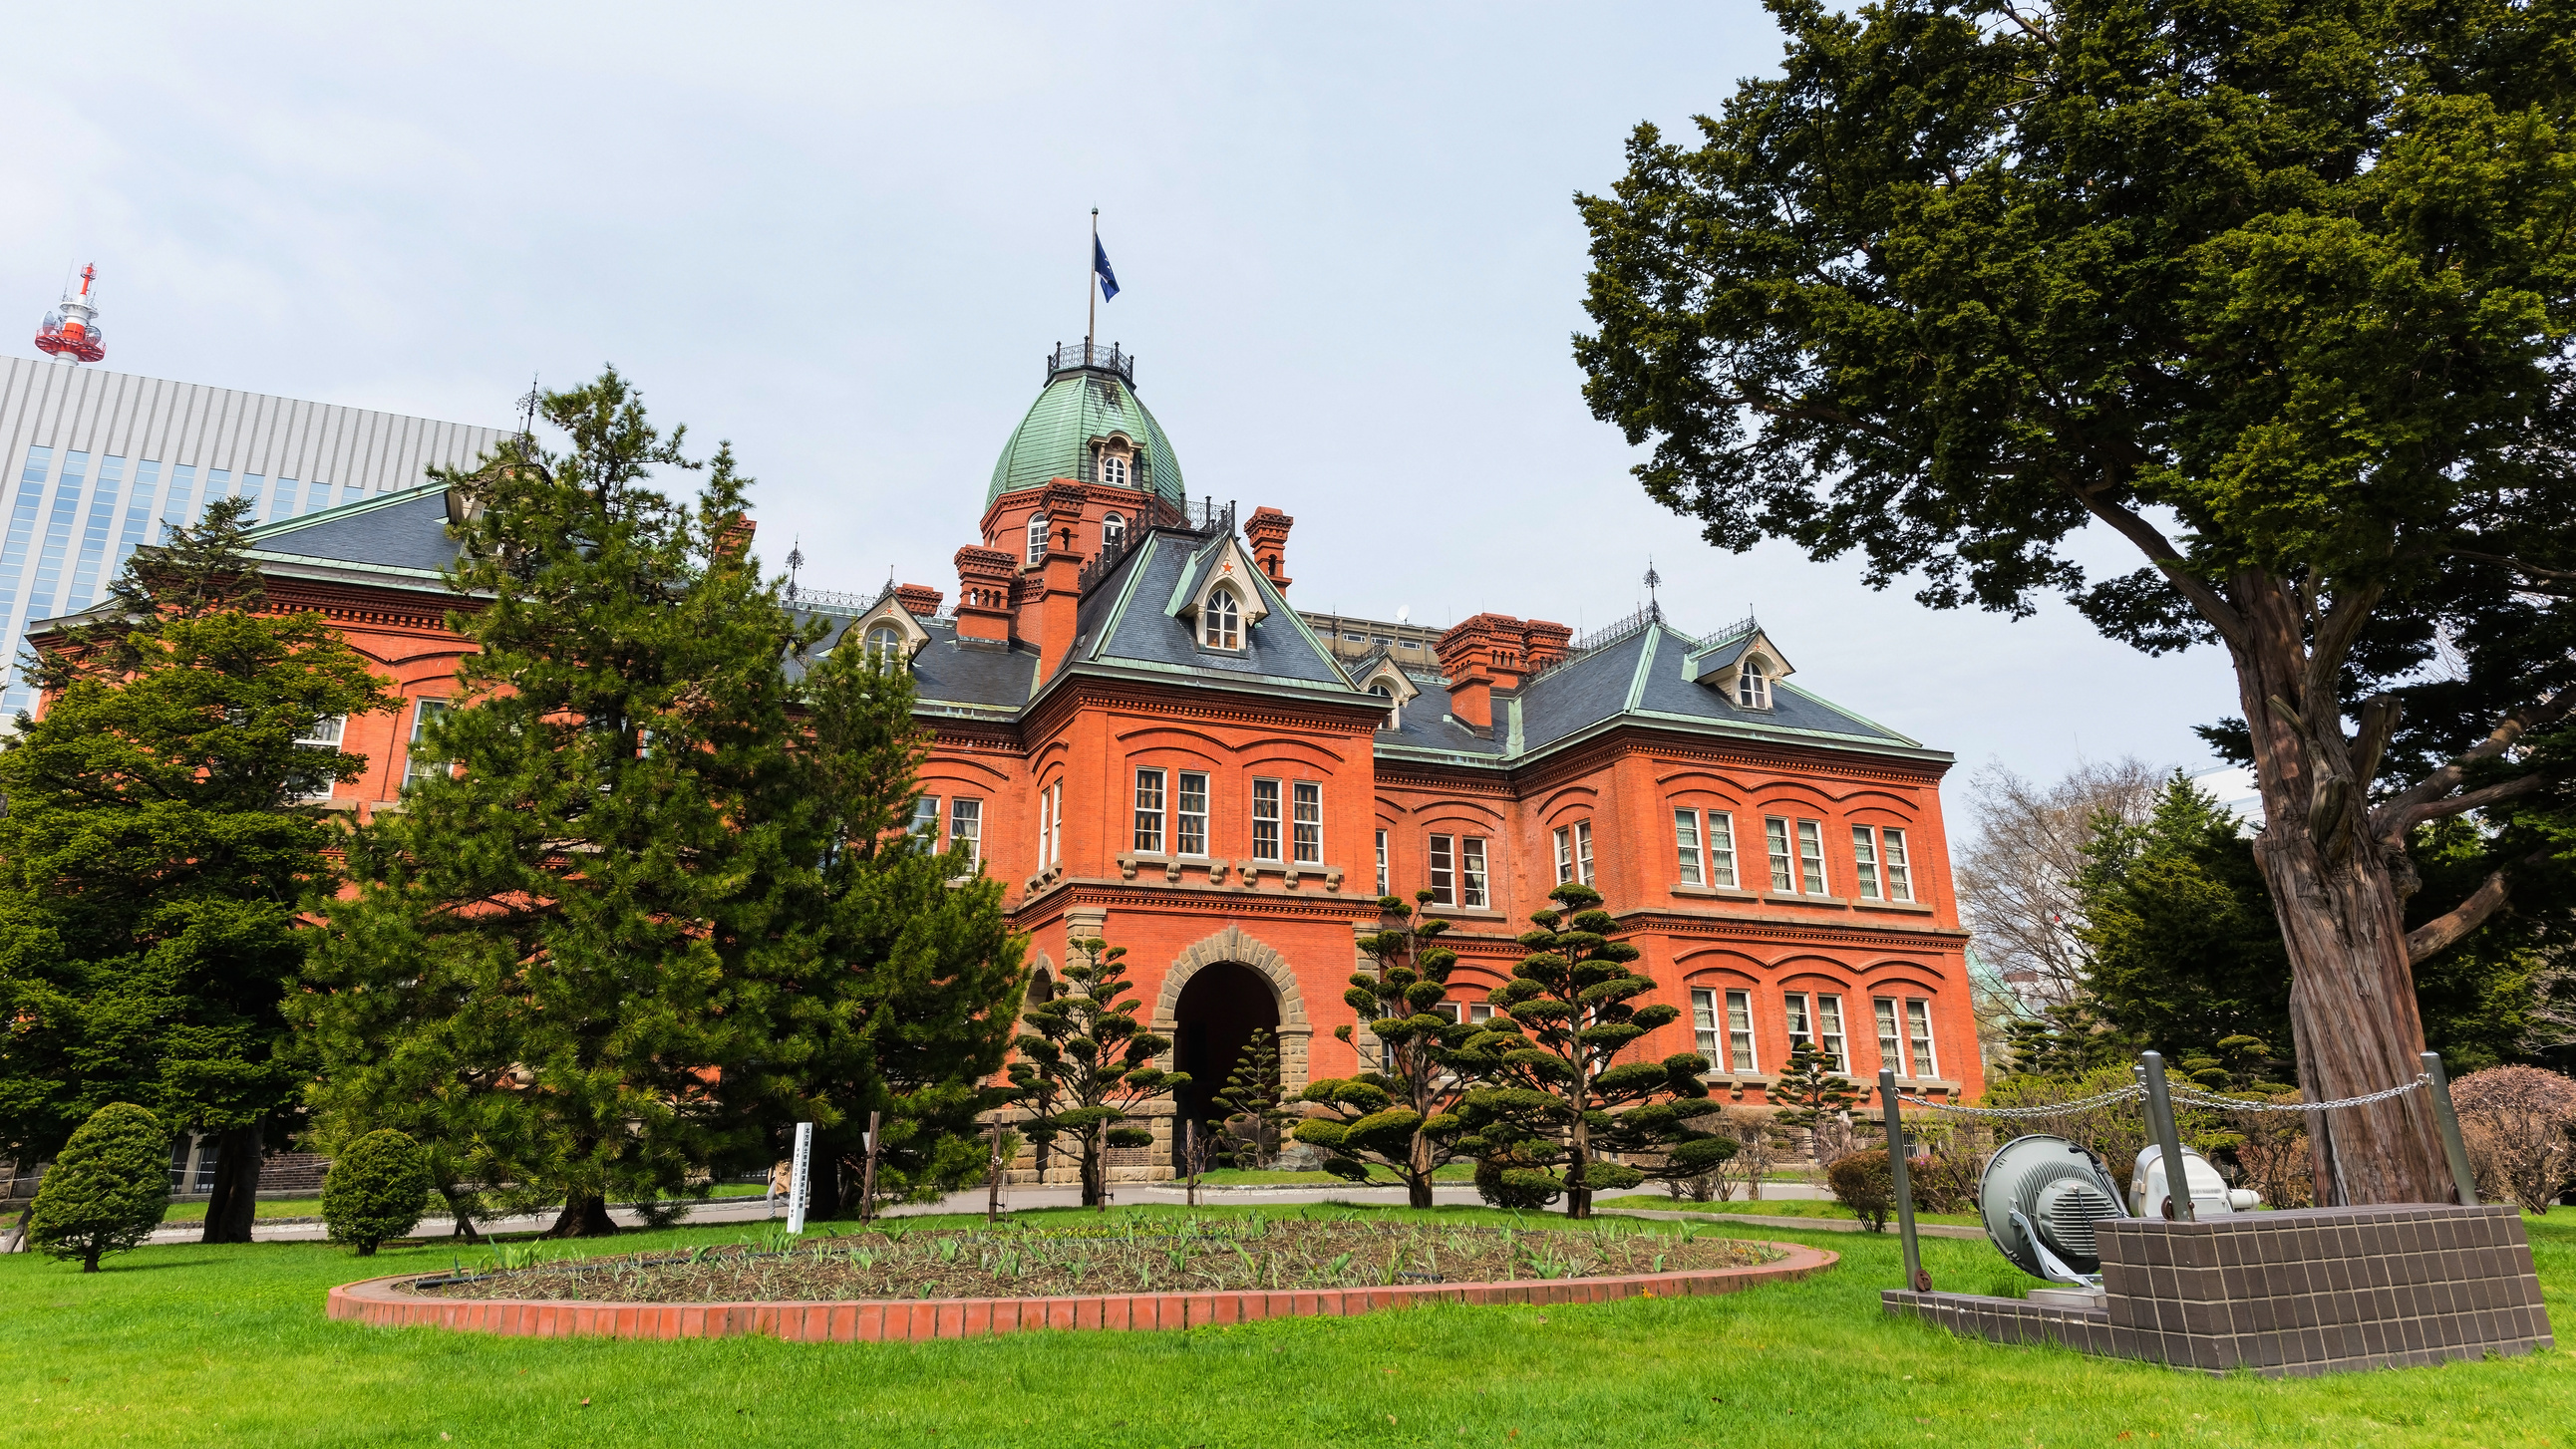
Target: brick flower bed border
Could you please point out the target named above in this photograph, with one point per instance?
(376, 1301)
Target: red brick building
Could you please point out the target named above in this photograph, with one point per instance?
(1149, 743)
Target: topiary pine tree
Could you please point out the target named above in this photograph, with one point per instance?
(1403, 1113)
(1084, 1063)
(155, 849)
(1557, 1092)
(1252, 1118)
(546, 958)
(108, 1189)
(1811, 1092)
(376, 1189)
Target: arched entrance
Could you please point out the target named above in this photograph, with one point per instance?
(1220, 1007)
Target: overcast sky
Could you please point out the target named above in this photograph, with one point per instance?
(845, 238)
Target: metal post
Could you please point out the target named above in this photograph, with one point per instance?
(993, 1175)
(1915, 1278)
(2448, 1120)
(2160, 1121)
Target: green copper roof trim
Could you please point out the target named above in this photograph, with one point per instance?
(338, 511)
(1898, 735)
(1645, 666)
(1054, 439)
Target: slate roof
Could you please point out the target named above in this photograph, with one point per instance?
(1641, 678)
(950, 675)
(402, 533)
(1129, 620)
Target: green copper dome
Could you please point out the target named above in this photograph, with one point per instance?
(1079, 404)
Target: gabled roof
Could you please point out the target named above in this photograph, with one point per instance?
(1126, 622)
(1643, 679)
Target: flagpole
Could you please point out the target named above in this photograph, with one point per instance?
(1091, 289)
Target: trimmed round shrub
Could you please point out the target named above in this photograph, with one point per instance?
(1508, 1182)
(1863, 1182)
(108, 1190)
(376, 1190)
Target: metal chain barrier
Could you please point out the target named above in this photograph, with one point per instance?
(2052, 1109)
(2194, 1096)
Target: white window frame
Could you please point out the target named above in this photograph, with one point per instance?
(1221, 621)
(1564, 854)
(1782, 854)
(1811, 858)
(1055, 836)
(1886, 1013)
(422, 713)
(1113, 469)
(925, 819)
(323, 734)
(1152, 803)
(966, 823)
(884, 645)
(1717, 838)
(1472, 892)
(1925, 1051)
(1266, 812)
(1880, 867)
(1742, 1055)
(1306, 821)
(1113, 531)
(1686, 847)
(1896, 863)
(1384, 886)
(1753, 684)
(1444, 870)
(1037, 538)
(1583, 851)
(1865, 862)
(1190, 827)
(1707, 1026)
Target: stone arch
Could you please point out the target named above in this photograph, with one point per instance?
(1296, 1032)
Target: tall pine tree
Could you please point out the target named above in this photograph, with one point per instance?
(547, 949)
(158, 840)
(1402, 1113)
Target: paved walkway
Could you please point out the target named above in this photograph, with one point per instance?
(750, 1209)
(1804, 1225)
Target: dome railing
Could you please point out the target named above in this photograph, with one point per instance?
(1102, 356)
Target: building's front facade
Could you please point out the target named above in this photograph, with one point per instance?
(1148, 744)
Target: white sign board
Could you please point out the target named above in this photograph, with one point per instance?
(800, 1177)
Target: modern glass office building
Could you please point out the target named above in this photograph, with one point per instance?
(103, 461)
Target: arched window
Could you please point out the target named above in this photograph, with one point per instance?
(1384, 693)
(1113, 532)
(1753, 686)
(1113, 471)
(1224, 618)
(885, 646)
(1037, 537)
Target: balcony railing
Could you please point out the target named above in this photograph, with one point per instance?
(1105, 357)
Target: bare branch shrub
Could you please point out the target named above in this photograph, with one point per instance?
(2017, 868)
(2515, 1121)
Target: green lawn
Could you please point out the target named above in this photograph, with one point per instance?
(1798, 1207)
(228, 1345)
(1258, 1177)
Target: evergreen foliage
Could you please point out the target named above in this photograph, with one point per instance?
(1404, 1112)
(549, 961)
(1813, 1096)
(107, 1190)
(376, 1189)
(2067, 1040)
(156, 846)
(2185, 948)
(1965, 279)
(901, 984)
(1555, 1093)
(1085, 1062)
(1252, 1116)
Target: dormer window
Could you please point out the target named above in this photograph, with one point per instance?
(1222, 620)
(1113, 470)
(1113, 533)
(885, 646)
(1753, 685)
(1037, 538)
(1384, 693)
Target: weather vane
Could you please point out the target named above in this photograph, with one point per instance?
(528, 410)
(795, 561)
(1653, 580)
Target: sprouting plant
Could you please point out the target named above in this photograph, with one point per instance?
(1659, 1263)
(948, 1249)
(1333, 1274)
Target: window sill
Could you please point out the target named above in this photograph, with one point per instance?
(1468, 913)
(1723, 893)
(1779, 899)
(1923, 908)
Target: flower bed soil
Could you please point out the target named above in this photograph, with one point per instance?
(1234, 1255)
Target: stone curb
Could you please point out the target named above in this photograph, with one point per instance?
(376, 1301)
(1804, 1225)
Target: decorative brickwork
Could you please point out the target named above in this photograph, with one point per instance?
(380, 1302)
(2297, 1293)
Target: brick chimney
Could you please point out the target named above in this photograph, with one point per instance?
(735, 540)
(1547, 644)
(1479, 656)
(1267, 532)
(985, 578)
(919, 600)
(1047, 616)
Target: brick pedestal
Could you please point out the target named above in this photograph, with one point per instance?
(2299, 1292)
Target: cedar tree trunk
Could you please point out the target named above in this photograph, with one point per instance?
(583, 1216)
(234, 1204)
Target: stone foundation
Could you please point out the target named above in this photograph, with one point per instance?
(2294, 1293)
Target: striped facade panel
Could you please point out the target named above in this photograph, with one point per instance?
(97, 463)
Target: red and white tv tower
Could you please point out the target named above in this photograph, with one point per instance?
(71, 332)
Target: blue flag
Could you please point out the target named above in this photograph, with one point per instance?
(1108, 278)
